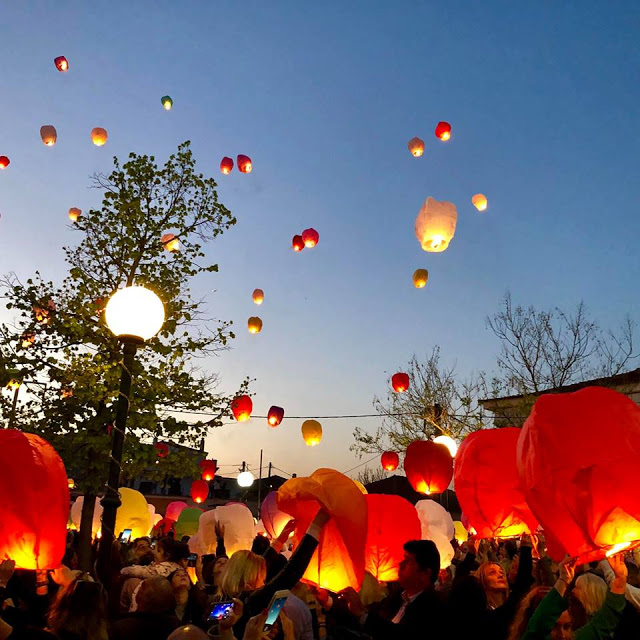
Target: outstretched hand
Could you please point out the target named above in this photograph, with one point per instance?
(619, 584)
(6, 571)
(352, 599)
(567, 571)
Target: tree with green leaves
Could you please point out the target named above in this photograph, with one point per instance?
(68, 360)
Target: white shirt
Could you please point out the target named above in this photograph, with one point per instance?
(406, 601)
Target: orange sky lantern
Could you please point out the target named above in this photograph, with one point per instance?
(273, 519)
(390, 460)
(275, 415)
(435, 225)
(226, 165)
(312, 432)
(98, 136)
(241, 407)
(208, 469)
(443, 131)
(27, 339)
(4, 162)
(255, 324)
(310, 238)
(400, 382)
(297, 243)
(74, 214)
(244, 164)
(162, 449)
(48, 134)
(199, 491)
(420, 277)
(488, 486)
(44, 310)
(170, 242)
(479, 201)
(416, 147)
(62, 64)
(258, 296)
(429, 467)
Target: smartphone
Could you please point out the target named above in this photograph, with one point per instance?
(277, 602)
(220, 611)
(125, 536)
(192, 559)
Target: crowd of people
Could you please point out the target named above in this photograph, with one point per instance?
(493, 590)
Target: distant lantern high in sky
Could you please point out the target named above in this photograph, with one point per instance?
(4, 162)
(62, 64)
(416, 147)
(167, 102)
(48, 134)
(297, 243)
(98, 136)
(435, 225)
(400, 382)
(74, 214)
(443, 131)
(479, 201)
(310, 238)
(254, 324)
(226, 165)
(420, 277)
(244, 163)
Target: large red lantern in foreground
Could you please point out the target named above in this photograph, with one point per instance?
(443, 131)
(429, 466)
(208, 469)
(390, 460)
(34, 509)
(297, 243)
(578, 456)
(275, 415)
(244, 164)
(488, 486)
(199, 491)
(226, 165)
(310, 238)
(241, 407)
(400, 382)
(391, 521)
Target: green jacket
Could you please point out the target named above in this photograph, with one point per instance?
(600, 627)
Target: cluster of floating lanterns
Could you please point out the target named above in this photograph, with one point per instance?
(308, 238)
(244, 164)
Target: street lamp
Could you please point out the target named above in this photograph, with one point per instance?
(133, 314)
(245, 478)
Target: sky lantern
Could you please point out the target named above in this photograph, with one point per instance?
(255, 324)
(273, 519)
(429, 467)
(434, 519)
(48, 134)
(76, 515)
(258, 296)
(174, 509)
(297, 243)
(162, 449)
(199, 491)
(62, 64)
(237, 521)
(187, 522)
(416, 147)
(436, 225)
(44, 310)
(98, 136)
(488, 486)
(13, 384)
(339, 560)
(275, 415)
(34, 509)
(443, 131)
(170, 242)
(390, 460)
(310, 238)
(244, 163)
(420, 277)
(167, 102)
(27, 339)
(391, 521)
(241, 407)
(4, 162)
(74, 214)
(578, 456)
(226, 165)
(461, 533)
(479, 202)
(208, 469)
(312, 432)
(400, 382)
(448, 442)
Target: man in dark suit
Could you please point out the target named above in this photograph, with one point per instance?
(416, 612)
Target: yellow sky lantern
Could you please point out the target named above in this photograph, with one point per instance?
(98, 136)
(255, 324)
(436, 225)
(420, 277)
(312, 432)
(258, 296)
(416, 147)
(170, 242)
(74, 214)
(48, 134)
(479, 201)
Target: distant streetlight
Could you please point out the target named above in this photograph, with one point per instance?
(245, 478)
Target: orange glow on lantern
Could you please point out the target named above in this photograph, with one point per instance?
(170, 242)
(4, 162)
(226, 165)
(258, 296)
(98, 136)
(208, 469)
(71, 483)
(43, 311)
(310, 238)
(241, 407)
(479, 202)
(390, 460)
(416, 147)
(13, 384)
(297, 243)
(435, 225)
(27, 339)
(48, 134)
(400, 382)
(420, 277)
(275, 415)
(74, 214)
(312, 432)
(443, 131)
(255, 324)
(429, 466)
(62, 64)
(244, 164)
(199, 491)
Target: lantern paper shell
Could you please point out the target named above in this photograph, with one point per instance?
(62, 64)
(199, 491)
(578, 456)
(133, 514)
(34, 509)
(162, 449)
(207, 532)
(208, 468)
(297, 243)
(436, 225)
(443, 131)
(241, 407)
(420, 277)
(226, 165)
(98, 136)
(448, 442)
(273, 519)
(416, 147)
(76, 515)
(244, 164)
(461, 533)
(434, 519)
(429, 467)
(254, 324)
(237, 520)
(170, 242)
(275, 415)
(167, 102)
(400, 382)
(312, 432)
(391, 521)
(310, 238)
(390, 460)
(74, 214)
(258, 296)
(479, 202)
(174, 509)
(338, 561)
(4, 162)
(488, 487)
(48, 134)
(187, 523)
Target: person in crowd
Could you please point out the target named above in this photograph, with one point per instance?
(169, 557)
(190, 601)
(140, 552)
(527, 606)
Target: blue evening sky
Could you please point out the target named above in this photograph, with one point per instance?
(543, 99)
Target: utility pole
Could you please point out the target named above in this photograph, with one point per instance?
(260, 483)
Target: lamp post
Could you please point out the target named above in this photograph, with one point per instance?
(134, 315)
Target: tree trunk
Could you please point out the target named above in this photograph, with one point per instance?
(85, 550)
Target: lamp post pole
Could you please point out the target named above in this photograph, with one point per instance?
(12, 415)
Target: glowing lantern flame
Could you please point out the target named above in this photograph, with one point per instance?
(275, 415)
(443, 131)
(255, 324)
(258, 296)
(98, 136)
(400, 382)
(448, 442)
(244, 164)
(241, 407)
(167, 102)
(226, 165)
(13, 384)
(416, 147)
(312, 432)
(4, 162)
(390, 460)
(62, 64)
(48, 134)
(310, 238)
(420, 277)
(71, 483)
(74, 214)
(479, 202)
(436, 225)
(27, 339)
(617, 548)
(208, 469)
(297, 243)
(170, 242)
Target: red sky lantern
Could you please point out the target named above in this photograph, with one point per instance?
(578, 457)
(34, 509)
(443, 131)
(275, 415)
(390, 460)
(4, 162)
(488, 486)
(199, 491)
(226, 165)
(208, 470)
(429, 466)
(62, 64)
(310, 238)
(241, 407)
(391, 521)
(244, 164)
(162, 449)
(400, 382)
(297, 243)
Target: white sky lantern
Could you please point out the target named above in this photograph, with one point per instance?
(448, 442)
(436, 225)
(134, 312)
(245, 479)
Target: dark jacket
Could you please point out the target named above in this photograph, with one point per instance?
(140, 624)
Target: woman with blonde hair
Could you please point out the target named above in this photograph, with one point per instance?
(245, 572)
